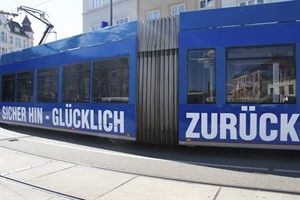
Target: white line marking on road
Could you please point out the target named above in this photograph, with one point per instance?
(229, 166)
(158, 159)
(96, 151)
(287, 170)
(148, 158)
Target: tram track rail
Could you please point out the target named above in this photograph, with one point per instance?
(41, 189)
(103, 155)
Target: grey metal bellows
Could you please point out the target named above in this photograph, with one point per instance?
(157, 81)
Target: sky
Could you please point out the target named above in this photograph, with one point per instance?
(65, 15)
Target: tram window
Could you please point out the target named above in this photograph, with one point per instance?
(47, 86)
(201, 76)
(8, 88)
(25, 86)
(261, 74)
(110, 80)
(76, 83)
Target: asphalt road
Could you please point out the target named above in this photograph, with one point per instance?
(242, 168)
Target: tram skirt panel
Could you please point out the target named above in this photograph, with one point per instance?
(157, 97)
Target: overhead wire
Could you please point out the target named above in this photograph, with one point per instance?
(41, 3)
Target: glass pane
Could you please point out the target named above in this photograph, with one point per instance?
(201, 76)
(202, 4)
(8, 88)
(156, 14)
(25, 87)
(260, 52)
(175, 10)
(110, 81)
(181, 8)
(76, 83)
(260, 1)
(47, 87)
(261, 75)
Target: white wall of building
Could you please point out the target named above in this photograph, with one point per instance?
(10, 41)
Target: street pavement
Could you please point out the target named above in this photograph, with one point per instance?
(25, 176)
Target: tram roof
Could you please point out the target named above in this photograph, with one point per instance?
(103, 36)
(215, 18)
(268, 13)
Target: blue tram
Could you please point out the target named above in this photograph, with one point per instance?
(224, 77)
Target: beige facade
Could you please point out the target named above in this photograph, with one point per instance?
(167, 8)
(97, 11)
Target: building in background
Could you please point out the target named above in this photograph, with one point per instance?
(13, 36)
(156, 9)
(254, 2)
(96, 13)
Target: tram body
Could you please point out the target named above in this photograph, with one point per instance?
(250, 63)
(228, 80)
(44, 102)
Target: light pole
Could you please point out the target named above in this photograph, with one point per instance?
(111, 12)
(54, 33)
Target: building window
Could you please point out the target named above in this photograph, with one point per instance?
(175, 10)
(251, 2)
(47, 86)
(291, 89)
(3, 37)
(97, 3)
(202, 4)
(76, 83)
(18, 42)
(25, 87)
(8, 88)
(201, 76)
(24, 43)
(153, 15)
(260, 1)
(3, 51)
(11, 40)
(95, 27)
(111, 80)
(281, 90)
(206, 4)
(255, 74)
(121, 20)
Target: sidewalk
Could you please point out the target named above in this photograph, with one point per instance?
(84, 182)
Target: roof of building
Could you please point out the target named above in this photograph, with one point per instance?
(27, 25)
(16, 28)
